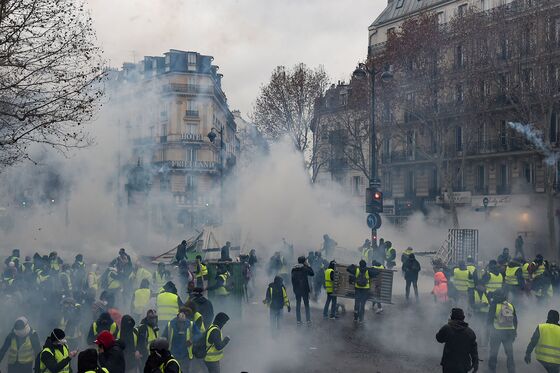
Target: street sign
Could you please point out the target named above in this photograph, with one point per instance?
(374, 221)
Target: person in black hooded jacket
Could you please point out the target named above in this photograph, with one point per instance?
(276, 298)
(300, 285)
(87, 362)
(203, 305)
(128, 338)
(215, 343)
(103, 322)
(460, 353)
(111, 354)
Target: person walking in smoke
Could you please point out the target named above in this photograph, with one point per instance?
(546, 339)
(329, 286)
(502, 323)
(276, 299)
(300, 286)
(460, 353)
(21, 345)
(411, 268)
(361, 276)
(519, 244)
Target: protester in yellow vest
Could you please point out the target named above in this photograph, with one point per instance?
(88, 362)
(546, 343)
(215, 343)
(147, 333)
(141, 299)
(55, 357)
(329, 286)
(167, 303)
(21, 346)
(161, 359)
(502, 323)
(201, 272)
(139, 274)
(276, 299)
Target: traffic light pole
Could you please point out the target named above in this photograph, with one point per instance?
(373, 180)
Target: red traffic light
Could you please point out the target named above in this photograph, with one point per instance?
(377, 196)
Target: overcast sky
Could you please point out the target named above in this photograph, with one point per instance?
(247, 38)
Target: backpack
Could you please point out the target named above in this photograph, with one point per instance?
(361, 280)
(199, 348)
(505, 316)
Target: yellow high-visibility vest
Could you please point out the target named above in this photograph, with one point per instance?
(213, 354)
(495, 282)
(548, 347)
(481, 303)
(203, 271)
(329, 285)
(461, 279)
(141, 301)
(58, 356)
(525, 271)
(497, 325)
(167, 305)
(164, 365)
(188, 336)
(222, 290)
(367, 277)
(511, 277)
(471, 268)
(22, 355)
(112, 329)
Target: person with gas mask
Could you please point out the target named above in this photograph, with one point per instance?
(161, 360)
(21, 345)
(55, 356)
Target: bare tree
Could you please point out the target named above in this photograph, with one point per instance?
(285, 105)
(50, 72)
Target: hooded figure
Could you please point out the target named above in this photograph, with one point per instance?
(128, 338)
(55, 356)
(87, 362)
(147, 333)
(460, 353)
(203, 305)
(215, 343)
(21, 354)
(160, 359)
(276, 298)
(440, 287)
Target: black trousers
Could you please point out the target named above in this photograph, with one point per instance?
(360, 299)
(305, 299)
(505, 338)
(414, 285)
(20, 368)
(549, 367)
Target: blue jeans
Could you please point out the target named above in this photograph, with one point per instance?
(275, 318)
(360, 299)
(331, 300)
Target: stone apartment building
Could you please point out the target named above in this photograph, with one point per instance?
(490, 162)
(170, 105)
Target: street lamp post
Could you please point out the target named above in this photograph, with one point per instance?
(212, 137)
(363, 71)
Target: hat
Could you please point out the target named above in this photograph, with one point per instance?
(58, 334)
(159, 344)
(457, 314)
(105, 339)
(553, 316)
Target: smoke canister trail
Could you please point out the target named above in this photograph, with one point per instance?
(535, 136)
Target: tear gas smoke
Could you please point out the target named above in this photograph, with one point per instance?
(535, 136)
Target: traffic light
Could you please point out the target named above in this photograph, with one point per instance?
(374, 201)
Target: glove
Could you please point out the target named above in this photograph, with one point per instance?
(528, 358)
(289, 309)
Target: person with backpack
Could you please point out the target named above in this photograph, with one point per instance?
(87, 362)
(55, 357)
(502, 324)
(546, 340)
(460, 353)
(276, 299)
(361, 275)
(161, 360)
(411, 268)
(301, 288)
(215, 343)
(21, 345)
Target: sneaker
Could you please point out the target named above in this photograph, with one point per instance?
(332, 318)
(379, 310)
(299, 323)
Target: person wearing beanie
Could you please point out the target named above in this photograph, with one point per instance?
(161, 360)
(215, 343)
(21, 345)
(460, 353)
(546, 343)
(55, 357)
(300, 286)
(502, 324)
(87, 362)
(110, 351)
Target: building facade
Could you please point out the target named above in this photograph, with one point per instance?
(171, 104)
